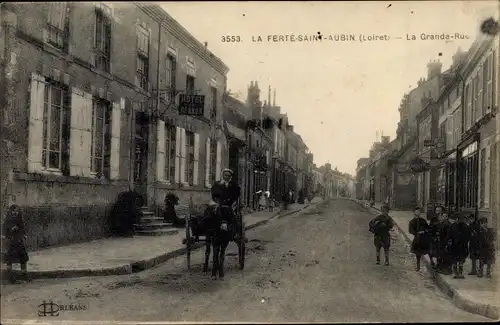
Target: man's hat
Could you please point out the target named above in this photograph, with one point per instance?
(227, 170)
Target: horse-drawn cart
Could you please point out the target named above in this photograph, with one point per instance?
(194, 236)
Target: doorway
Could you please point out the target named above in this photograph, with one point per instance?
(141, 158)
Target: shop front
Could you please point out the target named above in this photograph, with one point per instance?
(468, 173)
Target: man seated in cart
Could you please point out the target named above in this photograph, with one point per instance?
(225, 194)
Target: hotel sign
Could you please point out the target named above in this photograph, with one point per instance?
(193, 105)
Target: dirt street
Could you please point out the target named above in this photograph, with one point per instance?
(314, 267)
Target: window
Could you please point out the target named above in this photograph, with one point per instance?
(213, 94)
(55, 119)
(475, 105)
(102, 40)
(482, 178)
(142, 71)
(446, 104)
(467, 108)
(213, 160)
(101, 137)
(189, 157)
(479, 109)
(170, 133)
(171, 66)
(58, 26)
(142, 74)
(189, 84)
(488, 82)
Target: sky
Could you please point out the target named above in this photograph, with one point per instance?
(338, 95)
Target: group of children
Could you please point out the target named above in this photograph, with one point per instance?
(447, 241)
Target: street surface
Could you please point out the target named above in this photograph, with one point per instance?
(307, 268)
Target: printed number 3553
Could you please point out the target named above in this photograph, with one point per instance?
(230, 39)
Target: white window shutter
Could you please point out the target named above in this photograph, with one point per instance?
(196, 170)
(177, 154)
(76, 158)
(183, 155)
(160, 151)
(219, 159)
(35, 138)
(207, 163)
(115, 141)
(86, 142)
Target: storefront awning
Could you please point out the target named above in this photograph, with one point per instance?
(235, 132)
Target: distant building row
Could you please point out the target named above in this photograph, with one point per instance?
(447, 150)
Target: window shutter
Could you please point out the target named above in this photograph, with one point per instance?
(177, 153)
(196, 170)
(183, 155)
(207, 163)
(35, 138)
(115, 141)
(494, 87)
(160, 151)
(86, 143)
(76, 134)
(219, 160)
(487, 177)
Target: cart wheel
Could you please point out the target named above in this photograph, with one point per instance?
(188, 244)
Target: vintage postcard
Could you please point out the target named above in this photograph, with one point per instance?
(255, 162)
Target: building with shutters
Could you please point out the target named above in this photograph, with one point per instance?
(478, 147)
(82, 120)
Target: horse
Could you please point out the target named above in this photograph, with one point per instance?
(218, 231)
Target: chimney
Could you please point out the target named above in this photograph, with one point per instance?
(433, 69)
(274, 97)
(269, 95)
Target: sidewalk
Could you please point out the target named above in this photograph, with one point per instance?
(114, 256)
(476, 295)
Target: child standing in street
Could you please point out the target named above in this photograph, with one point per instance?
(474, 246)
(380, 227)
(486, 245)
(14, 233)
(459, 236)
(419, 228)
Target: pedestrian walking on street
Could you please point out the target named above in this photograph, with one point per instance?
(419, 228)
(14, 235)
(380, 226)
(459, 236)
(486, 241)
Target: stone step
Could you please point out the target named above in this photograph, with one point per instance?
(157, 232)
(150, 218)
(148, 213)
(153, 225)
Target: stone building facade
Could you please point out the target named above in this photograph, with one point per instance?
(93, 126)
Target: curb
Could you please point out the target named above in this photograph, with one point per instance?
(133, 267)
(461, 302)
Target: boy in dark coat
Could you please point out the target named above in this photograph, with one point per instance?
(419, 228)
(474, 246)
(434, 241)
(380, 227)
(458, 240)
(444, 259)
(486, 243)
(14, 233)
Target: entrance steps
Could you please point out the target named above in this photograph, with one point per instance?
(152, 225)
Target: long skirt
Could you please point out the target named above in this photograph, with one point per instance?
(459, 252)
(16, 253)
(420, 244)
